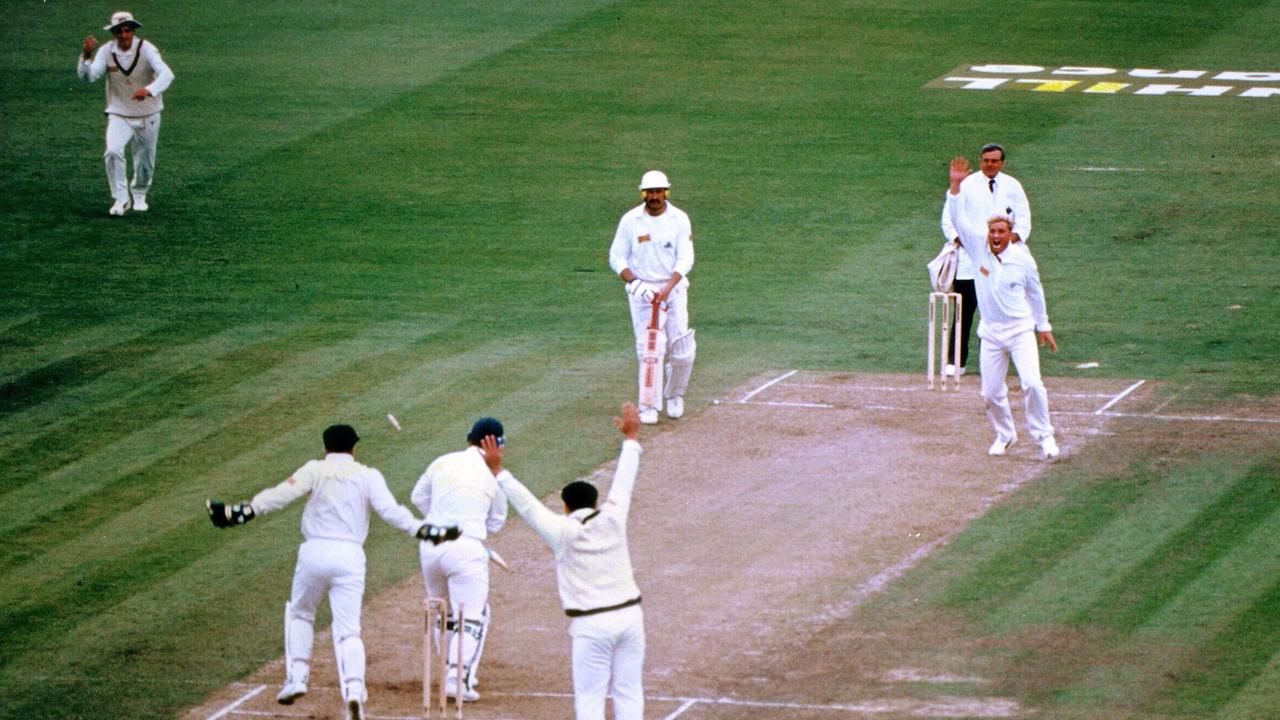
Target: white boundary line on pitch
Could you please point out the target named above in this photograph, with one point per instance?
(243, 699)
(892, 706)
(768, 385)
(777, 403)
(1173, 418)
(1119, 397)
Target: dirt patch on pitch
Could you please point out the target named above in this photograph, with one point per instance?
(758, 519)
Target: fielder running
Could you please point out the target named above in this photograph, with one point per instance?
(1011, 301)
(462, 504)
(593, 571)
(136, 77)
(652, 252)
(331, 559)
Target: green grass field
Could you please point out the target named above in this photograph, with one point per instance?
(407, 207)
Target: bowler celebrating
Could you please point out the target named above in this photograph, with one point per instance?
(1011, 301)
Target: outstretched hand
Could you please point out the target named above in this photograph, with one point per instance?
(959, 170)
(90, 43)
(629, 423)
(492, 453)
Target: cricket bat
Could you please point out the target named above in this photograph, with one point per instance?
(655, 346)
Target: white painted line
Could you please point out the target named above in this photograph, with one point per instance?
(768, 385)
(680, 710)
(1119, 397)
(243, 699)
(784, 404)
(1175, 418)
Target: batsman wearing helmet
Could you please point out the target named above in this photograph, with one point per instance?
(652, 252)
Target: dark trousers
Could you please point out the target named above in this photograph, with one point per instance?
(969, 303)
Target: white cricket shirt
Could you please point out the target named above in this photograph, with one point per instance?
(342, 491)
(457, 490)
(593, 565)
(654, 248)
(1010, 296)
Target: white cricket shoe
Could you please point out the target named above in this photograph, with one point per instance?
(140, 203)
(675, 407)
(119, 208)
(648, 415)
(949, 371)
(451, 687)
(1049, 447)
(292, 690)
(1000, 447)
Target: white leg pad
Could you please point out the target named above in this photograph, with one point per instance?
(683, 351)
(349, 652)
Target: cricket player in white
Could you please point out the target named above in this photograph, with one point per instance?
(462, 504)
(331, 559)
(983, 195)
(593, 571)
(652, 252)
(136, 78)
(1011, 300)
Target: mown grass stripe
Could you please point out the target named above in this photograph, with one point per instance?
(1088, 575)
(1239, 652)
(1258, 698)
(1029, 542)
(169, 436)
(28, 364)
(1132, 598)
(1205, 645)
(170, 357)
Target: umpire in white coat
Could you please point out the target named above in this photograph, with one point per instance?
(462, 504)
(136, 78)
(331, 559)
(593, 571)
(652, 252)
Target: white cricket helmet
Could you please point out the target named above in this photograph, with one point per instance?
(654, 180)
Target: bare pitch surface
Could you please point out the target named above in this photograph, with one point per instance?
(758, 524)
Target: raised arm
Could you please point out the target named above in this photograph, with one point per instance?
(547, 524)
(624, 477)
(90, 67)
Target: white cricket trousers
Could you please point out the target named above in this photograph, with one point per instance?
(677, 324)
(994, 356)
(144, 132)
(459, 570)
(608, 658)
(335, 568)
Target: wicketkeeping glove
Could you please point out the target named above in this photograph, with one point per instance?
(229, 515)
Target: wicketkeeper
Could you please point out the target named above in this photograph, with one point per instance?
(331, 559)
(652, 252)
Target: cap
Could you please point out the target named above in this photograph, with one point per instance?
(340, 438)
(654, 180)
(484, 427)
(122, 18)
